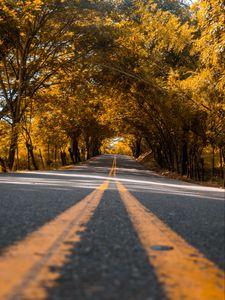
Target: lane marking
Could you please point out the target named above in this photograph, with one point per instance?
(114, 173)
(113, 169)
(183, 271)
(30, 267)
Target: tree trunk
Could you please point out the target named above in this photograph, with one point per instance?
(71, 155)
(158, 156)
(30, 150)
(75, 150)
(55, 158)
(138, 147)
(3, 165)
(48, 157)
(28, 157)
(13, 146)
(16, 114)
(202, 169)
(221, 162)
(17, 159)
(42, 161)
(213, 161)
(95, 147)
(184, 159)
(87, 148)
(33, 158)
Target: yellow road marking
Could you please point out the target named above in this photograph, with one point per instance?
(183, 271)
(113, 169)
(26, 269)
(114, 173)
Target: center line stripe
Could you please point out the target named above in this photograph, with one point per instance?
(113, 169)
(183, 271)
(31, 266)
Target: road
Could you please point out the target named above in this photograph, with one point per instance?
(109, 229)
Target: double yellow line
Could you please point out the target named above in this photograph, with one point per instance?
(25, 268)
(113, 169)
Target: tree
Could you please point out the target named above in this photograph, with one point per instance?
(40, 45)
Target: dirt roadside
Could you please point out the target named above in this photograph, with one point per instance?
(148, 162)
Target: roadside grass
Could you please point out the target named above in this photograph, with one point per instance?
(54, 166)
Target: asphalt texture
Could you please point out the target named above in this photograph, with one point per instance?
(109, 261)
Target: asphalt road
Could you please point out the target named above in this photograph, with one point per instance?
(114, 255)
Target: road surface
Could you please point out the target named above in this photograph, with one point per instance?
(109, 229)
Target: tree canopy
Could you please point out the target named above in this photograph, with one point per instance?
(76, 73)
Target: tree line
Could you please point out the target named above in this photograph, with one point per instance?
(74, 73)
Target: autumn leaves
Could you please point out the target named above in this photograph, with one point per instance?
(82, 72)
